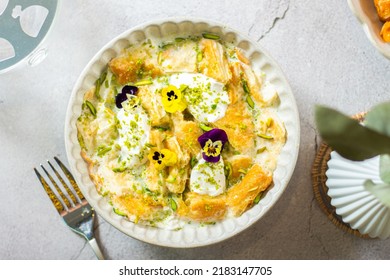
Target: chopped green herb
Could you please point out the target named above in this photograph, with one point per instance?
(161, 128)
(144, 83)
(269, 122)
(257, 198)
(173, 204)
(205, 127)
(165, 45)
(159, 58)
(102, 150)
(211, 36)
(245, 86)
(199, 56)
(250, 102)
(264, 136)
(171, 179)
(228, 169)
(81, 141)
(91, 108)
(119, 169)
(119, 212)
(98, 84)
(262, 149)
(179, 39)
(193, 161)
(150, 145)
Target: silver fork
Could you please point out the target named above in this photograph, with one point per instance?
(75, 210)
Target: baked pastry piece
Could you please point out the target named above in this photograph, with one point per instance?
(383, 9)
(385, 32)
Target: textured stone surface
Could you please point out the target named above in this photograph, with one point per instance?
(321, 48)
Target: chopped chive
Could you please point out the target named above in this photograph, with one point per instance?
(159, 58)
(173, 204)
(171, 179)
(199, 56)
(91, 107)
(98, 84)
(264, 136)
(257, 198)
(193, 161)
(165, 45)
(97, 89)
(179, 39)
(150, 145)
(259, 151)
(250, 101)
(148, 191)
(161, 128)
(119, 169)
(81, 141)
(205, 127)
(228, 169)
(144, 83)
(101, 151)
(269, 122)
(119, 212)
(245, 86)
(210, 36)
(183, 87)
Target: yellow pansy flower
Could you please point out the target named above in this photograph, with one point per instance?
(173, 99)
(162, 158)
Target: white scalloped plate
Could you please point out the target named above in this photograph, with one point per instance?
(357, 207)
(191, 236)
(366, 13)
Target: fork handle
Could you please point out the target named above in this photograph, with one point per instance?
(96, 249)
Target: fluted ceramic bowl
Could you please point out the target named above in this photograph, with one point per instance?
(367, 15)
(191, 236)
(356, 206)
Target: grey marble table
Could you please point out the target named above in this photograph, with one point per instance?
(321, 48)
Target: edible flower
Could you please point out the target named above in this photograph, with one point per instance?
(162, 158)
(122, 96)
(173, 99)
(212, 143)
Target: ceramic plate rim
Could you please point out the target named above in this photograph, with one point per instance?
(203, 236)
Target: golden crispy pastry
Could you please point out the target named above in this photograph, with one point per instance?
(242, 195)
(238, 124)
(204, 208)
(383, 9)
(214, 62)
(385, 32)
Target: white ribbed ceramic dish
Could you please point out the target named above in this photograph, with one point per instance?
(191, 236)
(366, 13)
(357, 207)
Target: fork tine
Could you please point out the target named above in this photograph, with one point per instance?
(70, 178)
(56, 202)
(64, 184)
(59, 191)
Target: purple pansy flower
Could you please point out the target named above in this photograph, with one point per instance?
(122, 96)
(212, 143)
